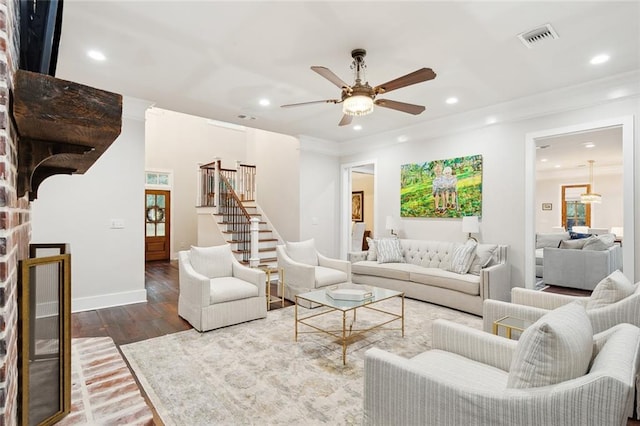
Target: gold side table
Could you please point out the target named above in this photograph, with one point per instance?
(274, 299)
(510, 323)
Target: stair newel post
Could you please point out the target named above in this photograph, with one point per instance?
(254, 260)
(216, 182)
(239, 181)
(201, 187)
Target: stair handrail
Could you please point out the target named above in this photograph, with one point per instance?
(242, 230)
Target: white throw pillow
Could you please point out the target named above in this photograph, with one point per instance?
(212, 262)
(389, 251)
(600, 242)
(303, 252)
(612, 288)
(554, 349)
(484, 253)
(372, 254)
(462, 257)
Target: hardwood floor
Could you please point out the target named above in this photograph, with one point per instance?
(141, 321)
(159, 315)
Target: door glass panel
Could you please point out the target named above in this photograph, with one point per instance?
(151, 200)
(160, 230)
(151, 230)
(160, 202)
(163, 179)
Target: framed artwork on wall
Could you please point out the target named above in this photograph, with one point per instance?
(357, 206)
(443, 188)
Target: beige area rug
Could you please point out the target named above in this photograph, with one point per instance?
(103, 391)
(255, 373)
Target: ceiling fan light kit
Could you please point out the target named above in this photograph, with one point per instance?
(359, 98)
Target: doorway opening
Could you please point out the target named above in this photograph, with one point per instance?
(359, 187)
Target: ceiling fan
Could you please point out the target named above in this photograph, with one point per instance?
(359, 98)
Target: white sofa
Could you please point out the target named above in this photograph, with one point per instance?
(425, 274)
(544, 240)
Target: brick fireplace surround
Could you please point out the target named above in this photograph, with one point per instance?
(14, 217)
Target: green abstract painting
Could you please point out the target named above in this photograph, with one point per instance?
(443, 188)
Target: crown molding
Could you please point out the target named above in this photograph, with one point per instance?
(596, 92)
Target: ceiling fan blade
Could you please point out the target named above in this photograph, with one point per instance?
(418, 76)
(329, 75)
(326, 101)
(400, 106)
(346, 120)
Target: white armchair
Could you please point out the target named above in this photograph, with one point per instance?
(471, 378)
(216, 290)
(615, 300)
(306, 269)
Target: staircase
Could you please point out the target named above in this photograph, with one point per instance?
(266, 242)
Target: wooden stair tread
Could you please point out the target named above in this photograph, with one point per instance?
(260, 250)
(245, 232)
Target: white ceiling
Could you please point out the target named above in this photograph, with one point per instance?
(218, 59)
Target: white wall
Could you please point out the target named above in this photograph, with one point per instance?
(319, 201)
(503, 149)
(277, 161)
(107, 265)
(604, 215)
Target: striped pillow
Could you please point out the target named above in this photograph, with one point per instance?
(556, 348)
(389, 251)
(463, 257)
(610, 289)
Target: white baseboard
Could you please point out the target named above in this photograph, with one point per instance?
(108, 300)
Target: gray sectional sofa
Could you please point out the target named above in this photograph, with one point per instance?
(424, 274)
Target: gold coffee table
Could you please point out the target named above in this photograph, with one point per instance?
(348, 333)
(510, 323)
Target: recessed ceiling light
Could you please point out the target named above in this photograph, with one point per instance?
(599, 59)
(265, 102)
(557, 166)
(403, 138)
(357, 127)
(491, 120)
(544, 160)
(589, 145)
(452, 101)
(96, 55)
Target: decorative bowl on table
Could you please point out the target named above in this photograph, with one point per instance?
(349, 291)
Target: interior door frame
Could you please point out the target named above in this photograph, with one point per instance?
(563, 212)
(169, 187)
(345, 202)
(628, 160)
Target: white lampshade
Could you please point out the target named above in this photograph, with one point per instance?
(618, 231)
(470, 224)
(392, 224)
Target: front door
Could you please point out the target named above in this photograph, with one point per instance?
(157, 217)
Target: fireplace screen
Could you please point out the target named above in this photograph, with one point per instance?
(45, 341)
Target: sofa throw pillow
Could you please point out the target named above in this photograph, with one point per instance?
(303, 252)
(577, 235)
(212, 262)
(554, 349)
(573, 244)
(551, 240)
(600, 242)
(389, 251)
(462, 257)
(484, 253)
(372, 254)
(611, 289)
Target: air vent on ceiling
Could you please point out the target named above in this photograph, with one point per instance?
(536, 36)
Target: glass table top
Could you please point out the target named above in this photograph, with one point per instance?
(321, 297)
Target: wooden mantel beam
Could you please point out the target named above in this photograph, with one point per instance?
(62, 127)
